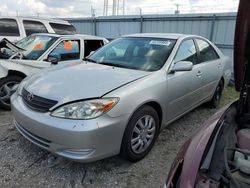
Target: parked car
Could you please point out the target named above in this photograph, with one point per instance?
(16, 28)
(120, 97)
(39, 51)
(219, 154)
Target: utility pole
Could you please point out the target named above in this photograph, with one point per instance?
(92, 11)
(140, 10)
(123, 7)
(16, 12)
(105, 7)
(114, 7)
(38, 14)
(177, 11)
(118, 6)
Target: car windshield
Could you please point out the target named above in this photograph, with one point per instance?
(147, 54)
(35, 45)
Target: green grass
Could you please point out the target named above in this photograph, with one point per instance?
(229, 95)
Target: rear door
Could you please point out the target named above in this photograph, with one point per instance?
(211, 67)
(184, 88)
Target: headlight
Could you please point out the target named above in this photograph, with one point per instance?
(85, 109)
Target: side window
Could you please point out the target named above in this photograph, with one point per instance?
(91, 45)
(34, 27)
(9, 27)
(187, 52)
(63, 29)
(67, 50)
(207, 52)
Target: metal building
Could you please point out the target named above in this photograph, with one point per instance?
(219, 28)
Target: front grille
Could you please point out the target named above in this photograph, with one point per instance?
(37, 103)
(32, 137)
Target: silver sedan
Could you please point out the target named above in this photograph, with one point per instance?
(119, 99)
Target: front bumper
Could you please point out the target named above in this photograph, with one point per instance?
(78, 140)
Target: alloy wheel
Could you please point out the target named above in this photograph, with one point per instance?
(6, 91)
(143, 134)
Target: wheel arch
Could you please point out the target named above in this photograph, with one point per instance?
(16, 73)
(155, 105)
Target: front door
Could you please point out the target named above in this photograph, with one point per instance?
(184, 87)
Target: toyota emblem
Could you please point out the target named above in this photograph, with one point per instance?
(30, 96)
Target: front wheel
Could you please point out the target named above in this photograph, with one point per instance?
(217, 95)
(140, 134)
(6, 89)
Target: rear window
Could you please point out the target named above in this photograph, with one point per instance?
(207, 52)
(9, 27)
(63, 29)
(91, 45)
(34, 27)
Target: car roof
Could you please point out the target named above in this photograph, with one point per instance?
(37, 18)
(161, 35)
(80, 36)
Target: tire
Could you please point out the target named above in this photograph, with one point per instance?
(6, 84)
(214, 103)
(143, 136)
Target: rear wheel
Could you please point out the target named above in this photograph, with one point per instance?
(6, 89)
(217, 95)
(140, 134)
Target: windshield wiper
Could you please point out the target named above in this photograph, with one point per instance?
(89, 60)
(112, 64)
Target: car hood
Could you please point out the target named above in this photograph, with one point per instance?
(80, 81)
(5, 43)
(242, 44)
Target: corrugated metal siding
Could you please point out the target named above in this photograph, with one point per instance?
(84, 27)
(116, 29)
(219, 28)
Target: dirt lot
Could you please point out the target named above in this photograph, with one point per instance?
(23, 164)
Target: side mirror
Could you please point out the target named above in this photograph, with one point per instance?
(182, 66)
(53, 59)
(91, 53)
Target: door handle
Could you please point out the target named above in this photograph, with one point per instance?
(199, 73)
(219, 66)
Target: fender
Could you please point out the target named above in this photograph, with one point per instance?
(7, 65)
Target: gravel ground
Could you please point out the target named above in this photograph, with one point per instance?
(23, 164)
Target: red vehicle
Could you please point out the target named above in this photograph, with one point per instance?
(218, 155)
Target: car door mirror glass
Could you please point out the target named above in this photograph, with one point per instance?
(182, 66)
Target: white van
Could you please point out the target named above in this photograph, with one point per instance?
(16, 28)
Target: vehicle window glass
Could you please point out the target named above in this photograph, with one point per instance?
(34, 27)
(141, 53)
(35, 45)
(187, 52)
(119, 49)
(9, 27)
(67, 50)
(63, 29)
(91, 45)
(207, 52)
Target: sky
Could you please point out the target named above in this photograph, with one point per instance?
(82, 8)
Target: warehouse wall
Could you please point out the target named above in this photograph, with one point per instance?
(219, 28)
